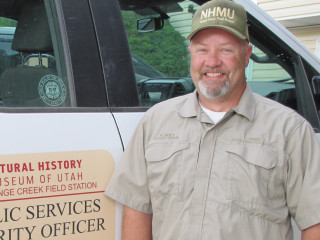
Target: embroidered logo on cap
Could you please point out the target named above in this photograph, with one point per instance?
(219, 13)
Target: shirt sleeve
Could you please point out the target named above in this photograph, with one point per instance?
(303, 179)
(129, 183)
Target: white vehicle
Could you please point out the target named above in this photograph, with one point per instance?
(76, 76)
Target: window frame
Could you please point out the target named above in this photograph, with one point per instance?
(83, 52)
(120, 84)
(305, 101)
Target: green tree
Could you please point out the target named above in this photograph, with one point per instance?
(6, 22)
(164, 49)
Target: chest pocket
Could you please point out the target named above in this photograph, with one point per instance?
(165, 163)
(248, 173)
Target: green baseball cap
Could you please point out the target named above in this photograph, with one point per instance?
(223, 14)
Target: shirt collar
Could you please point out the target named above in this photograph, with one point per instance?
(191, 106)
(246, 106)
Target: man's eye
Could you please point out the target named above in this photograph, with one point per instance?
(226, 50)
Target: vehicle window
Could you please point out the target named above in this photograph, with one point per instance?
(161, 60)
(268, 78)
(29, 72)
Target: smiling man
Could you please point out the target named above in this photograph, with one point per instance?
(218, 62)
(222, 162)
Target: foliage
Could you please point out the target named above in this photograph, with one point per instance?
(6, 22)
(164, 49)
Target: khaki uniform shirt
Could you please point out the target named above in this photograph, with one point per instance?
(239, 179)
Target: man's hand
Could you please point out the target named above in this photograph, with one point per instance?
(136, 225)
(311, 233)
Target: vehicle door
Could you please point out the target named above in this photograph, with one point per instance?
(59, 139)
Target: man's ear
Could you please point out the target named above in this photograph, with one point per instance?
(248, 54)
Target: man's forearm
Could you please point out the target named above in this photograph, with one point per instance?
(136, 225)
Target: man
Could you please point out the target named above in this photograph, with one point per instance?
(221, 163)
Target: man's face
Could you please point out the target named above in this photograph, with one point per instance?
(218, 62)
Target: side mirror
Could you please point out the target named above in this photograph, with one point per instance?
(316, 85)
(150, 24)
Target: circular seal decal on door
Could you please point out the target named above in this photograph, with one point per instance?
(52, 90)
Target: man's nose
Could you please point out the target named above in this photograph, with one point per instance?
(213, 59)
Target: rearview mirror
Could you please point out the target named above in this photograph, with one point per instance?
(150, 24)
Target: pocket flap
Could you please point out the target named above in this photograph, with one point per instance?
(256, 155)
(162, 151)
